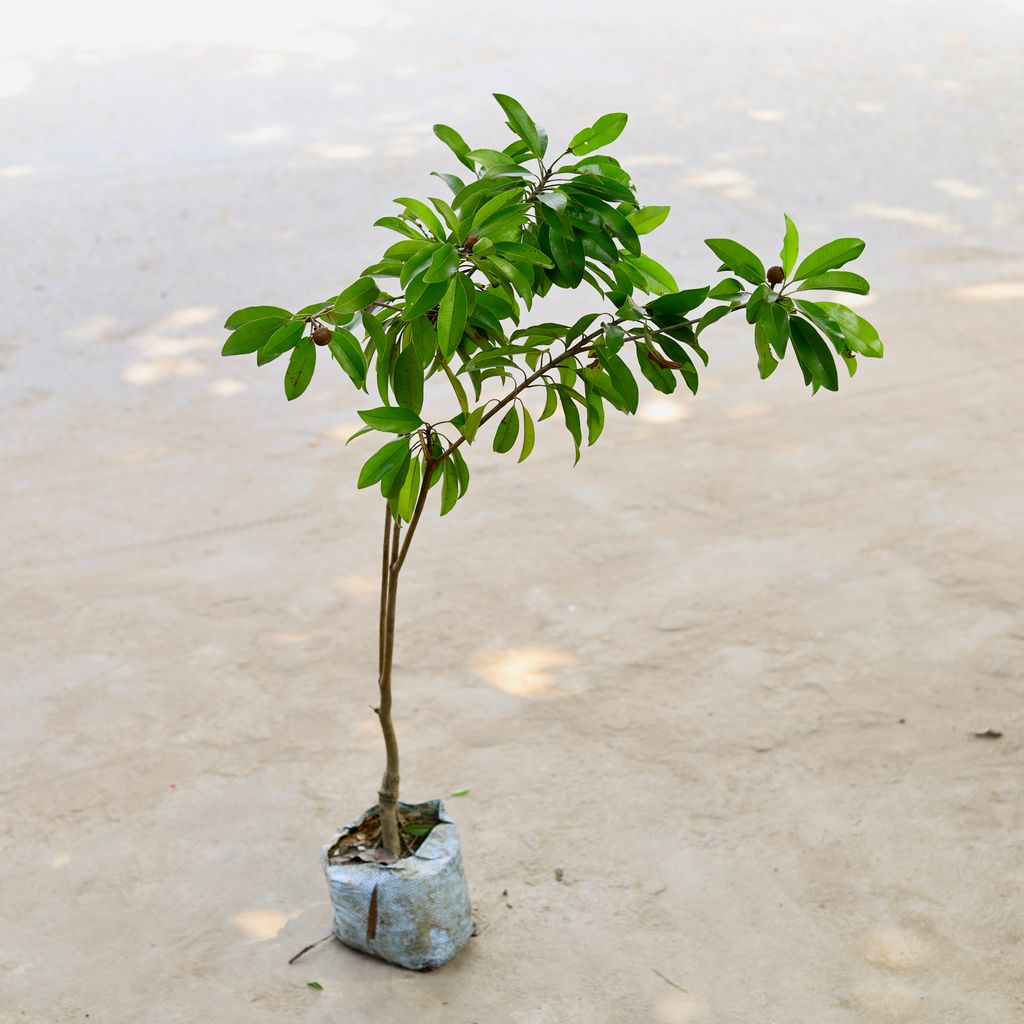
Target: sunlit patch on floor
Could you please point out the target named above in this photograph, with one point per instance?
(62, 860)
(339, 151)
(937, 222)
(999, 291)
(767, 116)
(869, 107)
(358, 586)
(749, 410)
(143, 374)
(343, 431)
(97, 328)
(17, 171)
(526, 671)
(731, 183)
(134, 455)
(258, 925)
(189, 316)
(959, 189)
(891, 995)
(679, 1008)
(226, 387)
(287, 639)
(898, 948)
(259, 136)
(655, 160)
(662, 410)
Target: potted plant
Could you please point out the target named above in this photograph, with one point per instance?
(452, 301)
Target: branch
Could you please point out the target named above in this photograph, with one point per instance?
(543, 180)
(421, 501)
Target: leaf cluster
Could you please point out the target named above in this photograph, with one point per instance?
(450, 299)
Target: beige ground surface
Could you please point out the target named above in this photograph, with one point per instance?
(724, 673)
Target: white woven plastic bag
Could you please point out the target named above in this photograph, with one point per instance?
(414, 912)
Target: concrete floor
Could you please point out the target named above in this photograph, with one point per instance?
(724, 673)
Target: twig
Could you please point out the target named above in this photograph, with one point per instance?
(669, 981)
(312, 945)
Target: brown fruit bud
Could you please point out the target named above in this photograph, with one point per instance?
(471, 241)
(322, 335)
(776, 275)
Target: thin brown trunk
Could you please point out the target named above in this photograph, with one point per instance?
(388, 792)
(392, 561)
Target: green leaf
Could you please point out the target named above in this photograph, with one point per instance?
(813, 354)
(393, 480)
(382, 461)
(252, 335)
(605, 129)
(614, 221)
(405, 503)
(554, 200)
(392, 419)
(403, 227)
(451, 317)
(622, 380)
(572, 421)
(836, 281)
(449, 489)
(550, 403)
(300, 369)
(359, 433)
(443, 265)
(461, 792)
(407, 380)
(417, 259)
(595, 415)
(497, 163)
(521, 123)
(349, 355)
(284, 338)
(508, 430)
(678, 354)
(469, 425)
(829, 256)
(738, 258)
(451, 218)
(774, 320)
(456, 143)
(356, 296)
(729, 288)
(419, 829)
(766, 362)
(424, 340)
(758, 297)
(316, 985)
(529, 435)
(461, 470)
(860, 335)
(660, 377)
(421, 297)
(673, 308)
(454, 183)
(656, 279)
(423, 213)
(790, 247)
(647, 218)
(243, 316)
(522, 253)
(712, 316)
